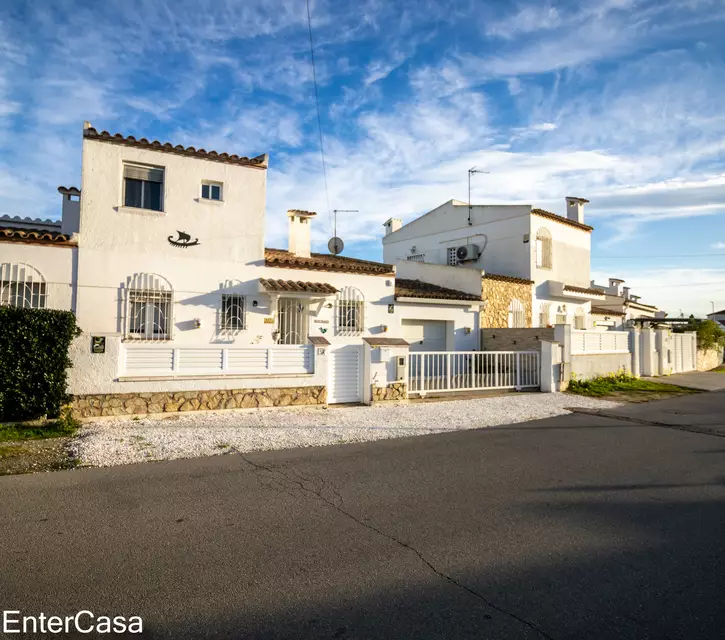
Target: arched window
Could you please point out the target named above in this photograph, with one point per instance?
(580, 319)
(517, 316)
(544, 314)
(149, 307)
(544, 258)
(22, 286)
(350, 312)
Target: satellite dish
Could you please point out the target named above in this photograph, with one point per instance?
(335, 245)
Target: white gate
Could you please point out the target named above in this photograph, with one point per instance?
(440, 371)
(346, 367)
(683, 352)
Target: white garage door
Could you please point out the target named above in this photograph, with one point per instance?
(425, 335)
(346, 365)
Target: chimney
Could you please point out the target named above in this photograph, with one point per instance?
(575, 209)
(392, 225)
(299, 232)
(614, 286)
(625, 292)
(71, 210)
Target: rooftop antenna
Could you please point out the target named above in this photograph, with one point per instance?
(471, 171)
(336, 245)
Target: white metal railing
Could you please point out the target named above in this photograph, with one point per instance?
(166, 360)
(593, 342)
(435, 371)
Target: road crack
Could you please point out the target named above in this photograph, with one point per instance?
(309, 486)
(601, 413)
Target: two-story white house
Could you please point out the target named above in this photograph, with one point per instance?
(621, 305)
(534, 264)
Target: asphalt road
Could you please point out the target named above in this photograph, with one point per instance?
(575, 527)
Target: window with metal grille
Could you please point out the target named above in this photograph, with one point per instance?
(211, 190)
(580, 320)
(149, 307)
(417, 257)
(350, 312)
(143, 187)
(544, 314)
(452, 256)
(21, 286)
(291, 321)
(233, 313)
(544, 259)
(517, 315)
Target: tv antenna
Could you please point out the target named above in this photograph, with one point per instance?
(471, 171)
(336, 245)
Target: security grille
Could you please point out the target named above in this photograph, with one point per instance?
(417, 257)
(543, 249)
(517, 316)
(350, 312)
(233, 313)
(580, 320)
(22, 286)
(149, 307)
(291, 321)
(544, 314)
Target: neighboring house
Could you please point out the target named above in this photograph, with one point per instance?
(718, 316)
(161, 255)
(607, 319)
(534, 265)
(620, 299)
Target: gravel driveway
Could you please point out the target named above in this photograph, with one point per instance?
(121, 441)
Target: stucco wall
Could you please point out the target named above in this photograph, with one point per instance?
(458, 278)
(498, 296)
(709, 359)
(463, 322)
(571, 250)
(590, 366)
(515, 339)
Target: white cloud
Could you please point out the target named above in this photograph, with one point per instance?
(718, 245)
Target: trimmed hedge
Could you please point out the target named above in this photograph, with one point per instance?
(34, 358)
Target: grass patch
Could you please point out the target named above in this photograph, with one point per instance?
(616, 383)
(720, 369)
(64, 426)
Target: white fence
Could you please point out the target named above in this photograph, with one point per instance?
(593, 342)
(165, 360)
(438, 371)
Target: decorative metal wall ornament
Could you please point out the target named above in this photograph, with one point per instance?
(184, 240)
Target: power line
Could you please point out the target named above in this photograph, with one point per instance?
(671, 255)
(319, 117)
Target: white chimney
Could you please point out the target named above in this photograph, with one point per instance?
(392, 225)
(614, 286)
(575, 209)
(71, 210)
(625, 292)
(299, 232)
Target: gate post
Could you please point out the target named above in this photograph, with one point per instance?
(636, 355)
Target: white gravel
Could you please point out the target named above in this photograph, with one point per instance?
(117, 441)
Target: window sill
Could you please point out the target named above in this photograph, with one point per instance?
(139, 211)
(209, 201)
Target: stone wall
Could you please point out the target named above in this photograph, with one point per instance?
(515, 339)
(709, 359)
(121, 404)
(498, 295)
(392, 391)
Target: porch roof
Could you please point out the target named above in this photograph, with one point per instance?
(296, 286)
(325, 262)
(419, 289)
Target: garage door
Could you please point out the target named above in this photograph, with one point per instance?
(425, 335)
(346, 367)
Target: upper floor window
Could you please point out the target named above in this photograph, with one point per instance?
(452, 256)
(233, 316)
(544, 259)
(350, 312)
(517, 314)
(21, 286)
(417, 257)
(143, 187)
(211, 190)
(149, 307)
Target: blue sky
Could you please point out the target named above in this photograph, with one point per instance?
(618, 101)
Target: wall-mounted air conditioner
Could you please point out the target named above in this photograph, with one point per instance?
(467, 252)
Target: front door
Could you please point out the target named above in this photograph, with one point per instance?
(292, 321)
(346, 368)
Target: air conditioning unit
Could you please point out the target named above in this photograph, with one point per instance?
(467, 252)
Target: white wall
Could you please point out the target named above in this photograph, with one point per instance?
(458, 317)
(570, 256)
(465, 280)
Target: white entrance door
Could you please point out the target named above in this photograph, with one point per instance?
(425, 335)
(346, 369)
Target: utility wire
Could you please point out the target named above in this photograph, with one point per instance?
(671, 255)
(319, 117)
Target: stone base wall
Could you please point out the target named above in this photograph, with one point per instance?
(709, 359)
(515, 339)
(122, 404)
(392, 391)
(498, 296)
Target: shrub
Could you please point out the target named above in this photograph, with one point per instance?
(34, 358)
(710, 335)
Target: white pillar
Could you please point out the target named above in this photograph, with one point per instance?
(562, 335)
(649, 363)
(636, 355)
(550, 366)
(664, 346)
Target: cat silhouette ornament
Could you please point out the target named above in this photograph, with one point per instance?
(184, 240)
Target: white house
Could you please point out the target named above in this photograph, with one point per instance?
(718, 316)
(161, 255)
(620, 301)
(544, 255)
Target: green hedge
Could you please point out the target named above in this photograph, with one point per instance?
(34, 358)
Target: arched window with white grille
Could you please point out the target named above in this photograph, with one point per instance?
(350, 312)
(580, 319)
(517, 315)
(22, 285)
(544, 314)
(149, 307)
(544, 258)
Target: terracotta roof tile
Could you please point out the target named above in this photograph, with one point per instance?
(374, 341)
(297, 286)
(593, 292)
(34, 236)
(69, 191)
(417, 289)
(129, 141)
(562, 219)
(502, 278)
(599, 311)
(318, 341)
(325, 262)
(301, 212)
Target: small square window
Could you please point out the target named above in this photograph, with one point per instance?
(211, 191)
